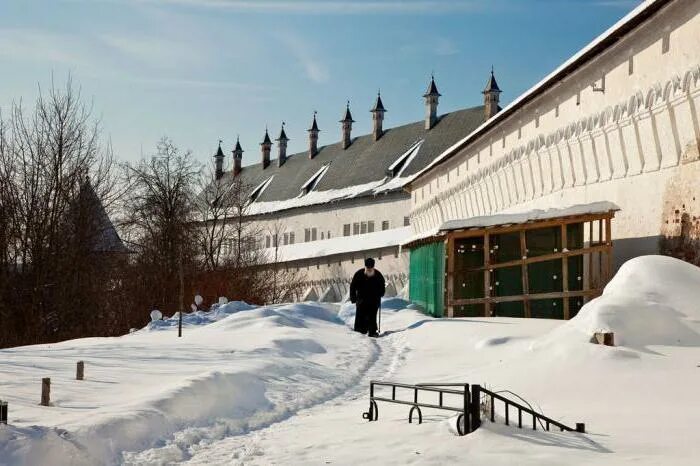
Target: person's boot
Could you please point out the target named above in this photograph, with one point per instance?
(374, 334)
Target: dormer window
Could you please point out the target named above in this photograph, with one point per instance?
(255, 194)
(396, 168)
(311, 183)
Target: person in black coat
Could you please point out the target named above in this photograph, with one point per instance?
(366, 291)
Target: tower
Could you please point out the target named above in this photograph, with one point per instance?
(491, 97)
(346, 125)
(378, 117)
(313, 138)
(432, 97)
(237, 158)
(219, 162)
(265, 148)
(282, 146)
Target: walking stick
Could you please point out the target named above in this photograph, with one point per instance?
(379, 325)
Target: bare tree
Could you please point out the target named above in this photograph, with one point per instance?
(282, 283)
(49, 158)
(159, 222)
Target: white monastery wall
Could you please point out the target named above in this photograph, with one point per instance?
(624, 128)
(330, 218)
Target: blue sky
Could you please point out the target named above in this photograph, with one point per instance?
(203, 70)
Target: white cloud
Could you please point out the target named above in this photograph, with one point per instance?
(445, 47)
(306, 56)
(156, 52)
(37, 45)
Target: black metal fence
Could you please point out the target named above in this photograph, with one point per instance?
(469, 408)
(3, 412)
(467, 421)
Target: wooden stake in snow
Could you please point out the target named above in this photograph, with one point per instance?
(45, 391)
(80, 371)
(604, 338)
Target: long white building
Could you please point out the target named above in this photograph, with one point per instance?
(324, 210)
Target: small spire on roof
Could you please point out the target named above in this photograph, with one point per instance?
(314, 125)
(238, 147)
(348, 116)
(378, 104)
(266, 139)
(491, 84)
(432, 88)
(283, 135)
(219, 152)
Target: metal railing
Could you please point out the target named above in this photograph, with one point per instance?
(465, 423)
(3, 412)
(469, 410)
(547, 422)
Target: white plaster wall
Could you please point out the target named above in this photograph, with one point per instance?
(331, 217)
(628, 144)
(337, 271)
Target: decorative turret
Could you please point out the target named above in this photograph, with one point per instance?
(219, 162)
(265, 148)
(237, 158)
(491, 96)
(346, 124)
(282, 146)
(432, 96)
(378, 117)
(313, 138)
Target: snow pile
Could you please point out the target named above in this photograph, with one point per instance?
(652, 300)
(216, 313)
(237, 368)
(391, 304)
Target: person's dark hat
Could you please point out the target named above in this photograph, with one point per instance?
(369, 263)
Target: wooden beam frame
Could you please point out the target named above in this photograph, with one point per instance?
(542, 258)
(508, 299)
(601, 246)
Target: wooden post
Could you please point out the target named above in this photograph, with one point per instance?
(80, 371)
(565, 270)
(526, 280)
(45, 391)
(487, 276)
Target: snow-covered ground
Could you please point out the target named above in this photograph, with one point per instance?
(288, 385)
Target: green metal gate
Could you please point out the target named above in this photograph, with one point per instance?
(427, 277)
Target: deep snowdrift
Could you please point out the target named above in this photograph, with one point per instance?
(236, 368)
(652, 300)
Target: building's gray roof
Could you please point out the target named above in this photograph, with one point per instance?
(105, 238)
(365, 161)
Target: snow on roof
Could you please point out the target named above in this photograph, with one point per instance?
(311, 183)
(529, 216)
(259, 189)
(598, 44)
(342, 245)
(515, 218)
(313, 198)
(409, 154)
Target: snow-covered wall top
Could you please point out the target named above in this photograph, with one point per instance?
(342, 245)
(529, 216)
